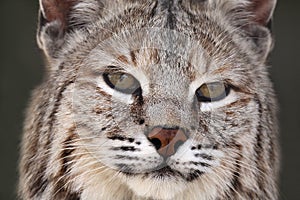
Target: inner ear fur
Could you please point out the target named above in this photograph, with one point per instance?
(57, 10)
(262, 11)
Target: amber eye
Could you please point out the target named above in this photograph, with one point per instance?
(215, 91)
(121, 82)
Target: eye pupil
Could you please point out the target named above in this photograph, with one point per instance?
(121, 82)
(214, 91)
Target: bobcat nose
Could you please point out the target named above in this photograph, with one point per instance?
(167, 140)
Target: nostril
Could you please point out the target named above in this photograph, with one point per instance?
(156, 142)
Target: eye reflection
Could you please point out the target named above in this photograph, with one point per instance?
(215, 91)
(121, 82)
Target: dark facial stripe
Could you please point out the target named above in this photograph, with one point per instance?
(136, 108)
(68, 149)
(39, 181)
(66, 157)
(240, 102)
(272, 137)
(154, 10)
(100, 91)
(259, 150)
(57, 104)
(52, 116)
(170, 18)
(123, 59)
(133, 58)
(73, 196)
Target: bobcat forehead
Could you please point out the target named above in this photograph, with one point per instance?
(152, 100)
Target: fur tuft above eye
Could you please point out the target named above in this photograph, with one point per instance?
(121, 82)
(215, 91)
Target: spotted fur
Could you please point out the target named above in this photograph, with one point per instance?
(83, 140)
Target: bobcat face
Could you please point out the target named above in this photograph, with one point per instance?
(153, 100)
(139, 88)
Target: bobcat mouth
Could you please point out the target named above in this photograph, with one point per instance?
(168, 173)
(160, 172)
(164, 171)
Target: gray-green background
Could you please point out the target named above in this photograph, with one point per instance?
(21, 69)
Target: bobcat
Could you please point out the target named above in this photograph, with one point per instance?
(152, 99)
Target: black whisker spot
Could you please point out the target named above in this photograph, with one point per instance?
(130, 140)
(204, 156)
(200, 163)
(124, 148)
(117, 137)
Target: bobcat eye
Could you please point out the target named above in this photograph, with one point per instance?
(215, 91)
(121, 82)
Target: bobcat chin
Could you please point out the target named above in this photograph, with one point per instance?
(147, 100)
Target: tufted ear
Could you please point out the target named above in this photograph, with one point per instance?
(261, 12)
(57, 18)
(254, 17)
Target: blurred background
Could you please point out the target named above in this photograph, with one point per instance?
(21, 69)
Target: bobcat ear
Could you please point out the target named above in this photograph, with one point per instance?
(57, 18)
(53, 24)
(254, 17)
(262, 11)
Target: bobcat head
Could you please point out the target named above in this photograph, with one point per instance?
(161, 99)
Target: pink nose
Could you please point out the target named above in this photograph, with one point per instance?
(167, 140)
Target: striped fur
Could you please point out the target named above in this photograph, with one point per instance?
(83, 140)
